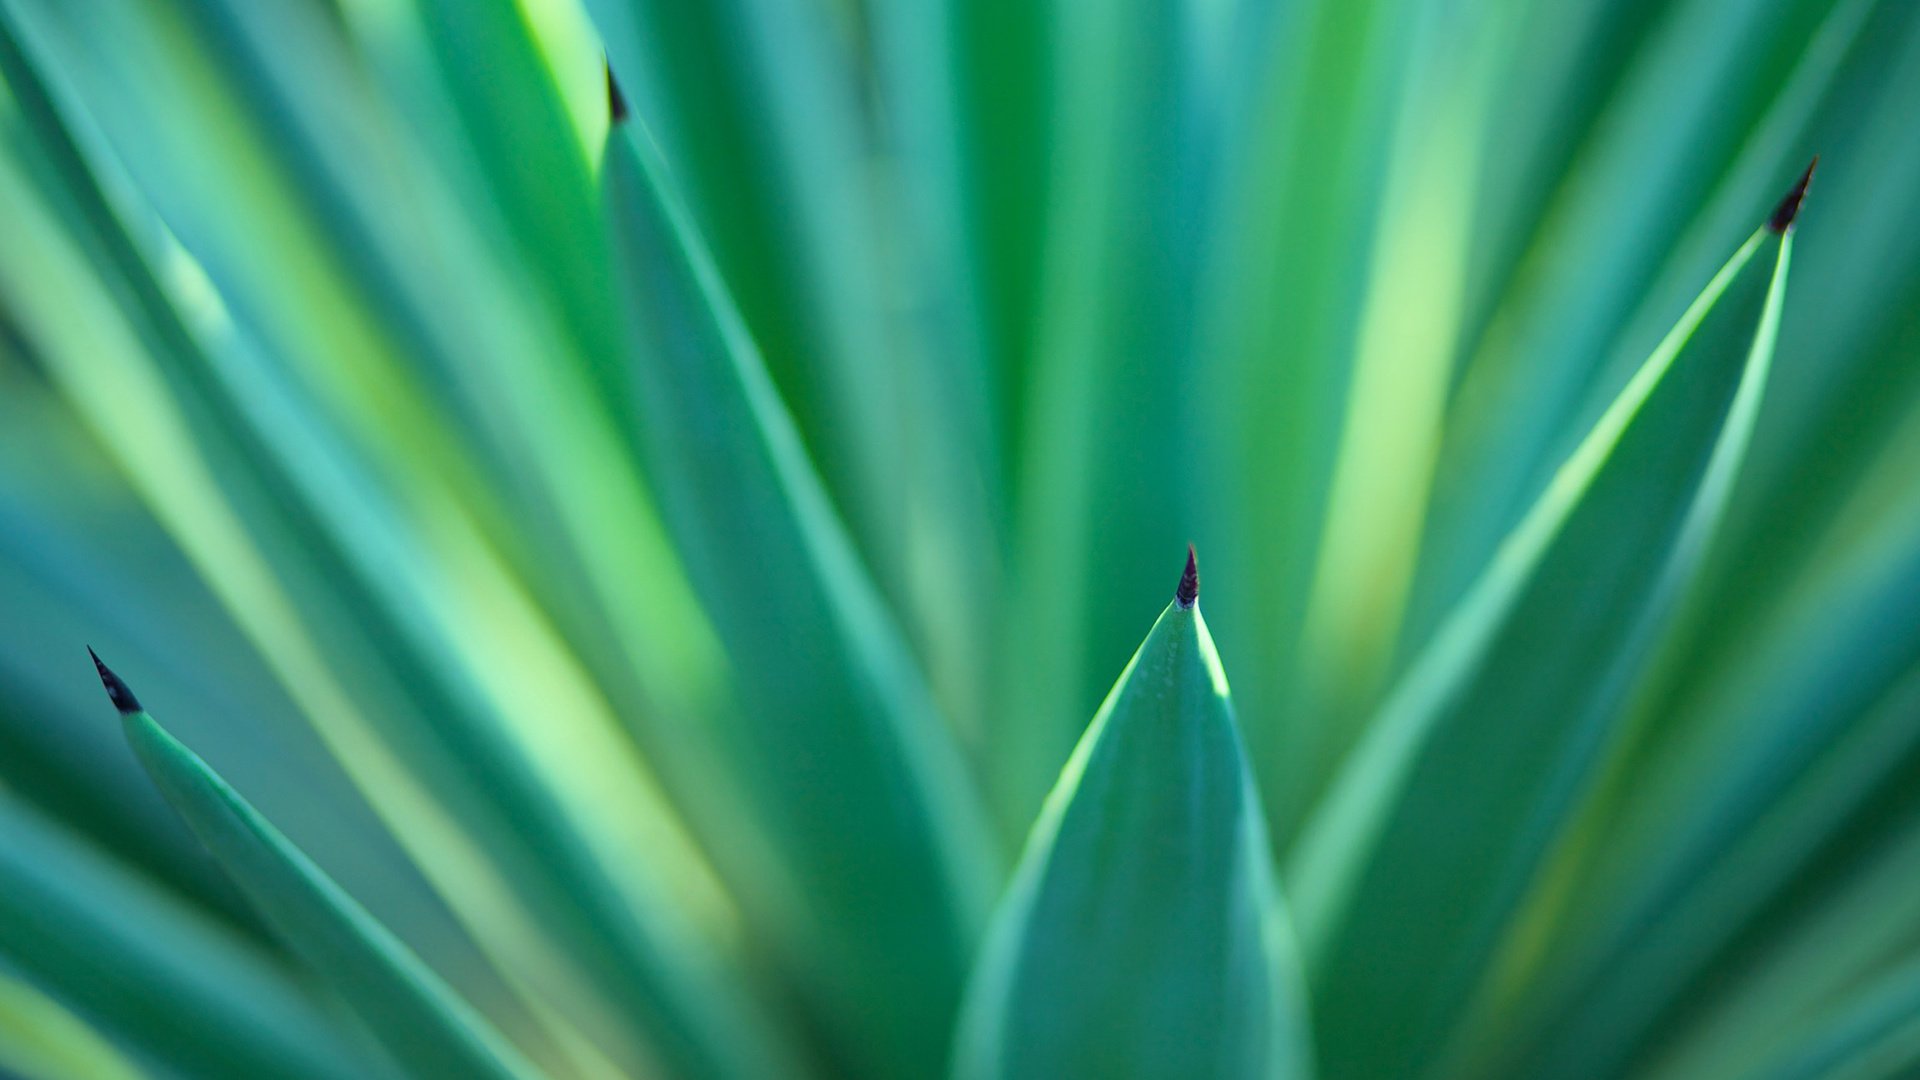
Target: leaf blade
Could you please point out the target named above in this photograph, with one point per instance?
(153, 972)
(1143, 935)
(1784, 768)
(1417, 863)
(850, 764)
(415, 1015)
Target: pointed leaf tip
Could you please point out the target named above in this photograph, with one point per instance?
(117, 691)
(616, 101)
(1789, 208)
(1189, 590)
(1189, 968)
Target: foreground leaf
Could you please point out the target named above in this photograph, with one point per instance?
(416, 1016)
(1142, 936)
(1410, 875)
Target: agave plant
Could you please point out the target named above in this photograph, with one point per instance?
(626, 514)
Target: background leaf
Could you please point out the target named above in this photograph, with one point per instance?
(892, 854)
(421, 1022)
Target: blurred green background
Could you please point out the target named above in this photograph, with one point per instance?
(685, 553)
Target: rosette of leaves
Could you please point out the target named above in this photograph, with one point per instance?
(639, 525)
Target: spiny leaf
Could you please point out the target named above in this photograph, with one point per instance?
(749, 102)
(1142, 935)
(156, 975)
(1104, 442)
(1876, 1033)
(39, 1038)
(296, 524)
(1410, 875)
(1695, 91)
(1785, 763)
(1785, 214)
(850, 764)
(416, 1016)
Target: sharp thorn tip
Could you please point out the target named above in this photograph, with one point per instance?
(1788, 211)
(616, 101)
(1189, 591)
(117, 691)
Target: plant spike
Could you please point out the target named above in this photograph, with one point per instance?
(616, 101)
(1188, 593)
(117, 691)
(1788, 211)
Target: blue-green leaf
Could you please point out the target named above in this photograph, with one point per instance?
(417, 1017)
(1143, 935)
(155, 973)
(1786, 761)
(1409, 876)
(1875, 1034)
(851, 769)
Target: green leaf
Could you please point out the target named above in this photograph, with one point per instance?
(1410, 875)
(415, 1015)
(837, 245)
(851, 767)
(160, 976)
(1707, 83)
(755, 103)
(1827, 944)
(546, 803)
(1790, 760)
(1143, 935)
(38, 1038)
(1843, 404)
(1877, 1033)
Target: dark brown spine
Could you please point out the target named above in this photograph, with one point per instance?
(616, 101)
(1189, 591)
(117, 691)
(1789, 208)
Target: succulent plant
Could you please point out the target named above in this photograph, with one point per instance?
(631, 518)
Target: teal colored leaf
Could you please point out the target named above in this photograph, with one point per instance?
(1876, 1034)
(1143, 935)
(39, 1038)
(1706, 80)
(157, 974)
(1787, 762)
(1103, 432)
(1825, 976)
(852, 769)
(846, 276)
(754, 102)
(326, 526)
(419, 1019)
(1410, 875)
